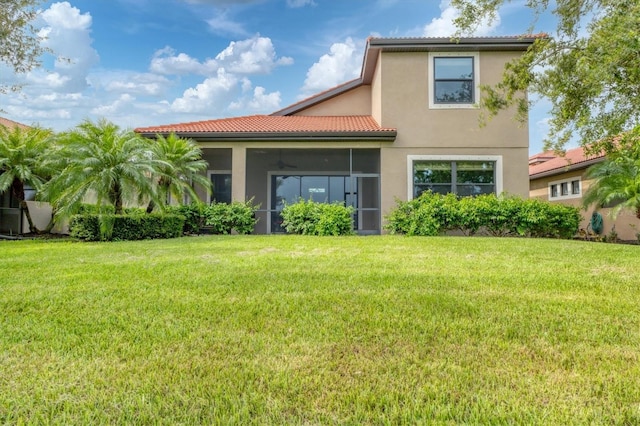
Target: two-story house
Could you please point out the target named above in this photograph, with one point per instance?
(409, 123)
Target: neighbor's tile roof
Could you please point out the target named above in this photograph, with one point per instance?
(11, 124)
(548, 162)
(275, 124)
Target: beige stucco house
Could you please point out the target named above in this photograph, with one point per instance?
(409, 123)
(562, 179)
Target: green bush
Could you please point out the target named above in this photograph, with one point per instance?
(110, 227)
(237, 216)
(432, 214)
(193, 215)
(311, 218)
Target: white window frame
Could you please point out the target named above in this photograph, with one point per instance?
(497, 159)
(476, 80)
(559, 183)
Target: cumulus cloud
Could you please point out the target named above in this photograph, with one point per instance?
(67, 33)
(341, 64)
(212, 94)
(260, 101)
(443, 26)
(252, 56)
(165, 61)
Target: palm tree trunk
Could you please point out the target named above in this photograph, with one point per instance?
(151, 206)
(117, 192)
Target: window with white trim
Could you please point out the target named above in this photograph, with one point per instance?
(464, 177)
(453, 79)
(565, 189)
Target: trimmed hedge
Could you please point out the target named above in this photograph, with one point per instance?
(433, 214)
(311, 218)
(110, 227)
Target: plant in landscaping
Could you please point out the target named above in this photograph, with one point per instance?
(21, 155)
(237, 216)
(617, 178)
(431, 214)
(178, 166)
(313, 218)
(101, 160)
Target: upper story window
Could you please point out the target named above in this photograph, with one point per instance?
(453, 79)
(565, 189)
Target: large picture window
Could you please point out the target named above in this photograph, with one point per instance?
(463, 178)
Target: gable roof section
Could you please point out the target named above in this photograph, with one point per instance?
(265, 127)
(419, 44)
(11, 124)
(549, 163)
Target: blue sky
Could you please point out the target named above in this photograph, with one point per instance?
(149, 62)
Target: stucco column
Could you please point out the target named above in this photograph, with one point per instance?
(238, 173)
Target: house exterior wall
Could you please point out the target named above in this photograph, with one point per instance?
(626, 224)
(353, 102)
(402, 80)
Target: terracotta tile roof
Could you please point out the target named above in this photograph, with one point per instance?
(267, 124)
(550, 163)
(11, 124)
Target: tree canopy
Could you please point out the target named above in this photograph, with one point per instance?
(20, 44)
(589, 69)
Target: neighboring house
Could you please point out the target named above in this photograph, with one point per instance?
(562, 179)
(409, 123)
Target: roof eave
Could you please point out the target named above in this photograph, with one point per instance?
(567, 168)
(382, 136)
(319, 98)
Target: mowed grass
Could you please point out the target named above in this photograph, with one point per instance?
(297, 330)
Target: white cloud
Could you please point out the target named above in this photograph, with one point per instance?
(212, 95)
(67, 33)
(114, 107)
(252, 56)
(341, 64)
(443, 26)
(221, 24)
(300, 3)
(259, 102)
(130, 82)
(165, 61)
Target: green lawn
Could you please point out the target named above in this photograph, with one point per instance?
(297, 330)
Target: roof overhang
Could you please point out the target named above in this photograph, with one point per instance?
(382, 136)
(567, 168)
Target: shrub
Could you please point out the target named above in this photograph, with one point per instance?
(193, 216)
(110, 227)
(432, 214)
(237, 216)
(312, 218)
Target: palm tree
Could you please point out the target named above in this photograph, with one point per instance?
(179, 165)
(616, 180)
(104, 161)
(21, 154)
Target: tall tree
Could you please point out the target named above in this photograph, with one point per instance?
(103, 161)
(21, 154)
(589, 69)
(179, 165)
(20, 46)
